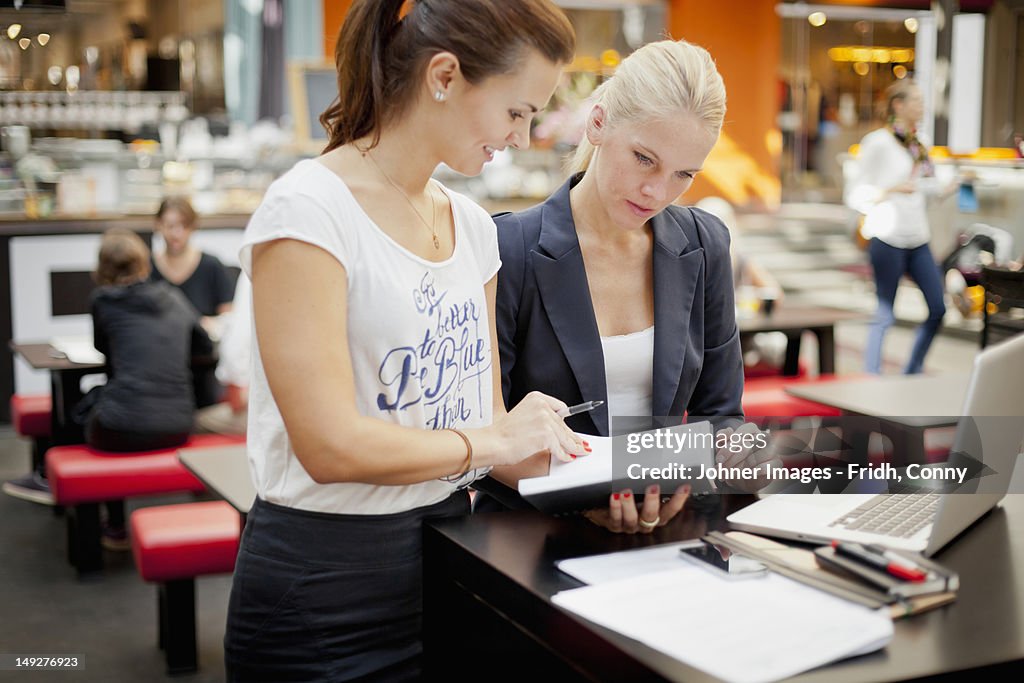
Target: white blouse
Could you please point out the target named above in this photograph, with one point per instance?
(629, 372)
(898, 219)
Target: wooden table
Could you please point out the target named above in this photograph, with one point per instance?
(65, 378)
(224, 470)
(793, 322)
(489, 578)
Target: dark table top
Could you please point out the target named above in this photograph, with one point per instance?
(512, 555)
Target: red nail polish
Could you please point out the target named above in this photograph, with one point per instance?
(627, 494)
(653, 490)
(588, 449)
(572, 456)
(586, 443)
(615, 496)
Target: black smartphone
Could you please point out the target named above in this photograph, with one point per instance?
(722, 561)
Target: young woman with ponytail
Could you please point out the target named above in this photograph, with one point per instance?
(372, 404)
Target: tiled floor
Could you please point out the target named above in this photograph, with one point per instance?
(109, 620)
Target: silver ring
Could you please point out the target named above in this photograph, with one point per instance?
(650, 525)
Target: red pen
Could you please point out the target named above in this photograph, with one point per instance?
(855, 551)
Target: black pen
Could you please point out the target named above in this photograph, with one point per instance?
(579, 408)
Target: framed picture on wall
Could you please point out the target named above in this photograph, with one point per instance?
(312, 87)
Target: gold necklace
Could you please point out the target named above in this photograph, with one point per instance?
(432, 226)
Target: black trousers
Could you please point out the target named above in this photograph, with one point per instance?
(324, 597)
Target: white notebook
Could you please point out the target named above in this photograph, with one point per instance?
(588, 481)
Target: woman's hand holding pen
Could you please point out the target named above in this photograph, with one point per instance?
(532, 427)
(624, 516)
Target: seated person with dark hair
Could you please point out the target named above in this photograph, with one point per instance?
(149, 333)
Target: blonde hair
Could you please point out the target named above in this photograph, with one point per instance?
(124, 258)
(657, 82)
(897, 91)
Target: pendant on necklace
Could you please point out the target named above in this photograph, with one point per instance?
(437, 242)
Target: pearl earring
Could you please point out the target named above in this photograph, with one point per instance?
(440, 96)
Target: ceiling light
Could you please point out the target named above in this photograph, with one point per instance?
(24, 43)
(13, 30)
(911, 24)
(43, 38)
(817, 19)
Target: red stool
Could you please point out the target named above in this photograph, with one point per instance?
(172, 545)
(82, 477)
(30, 414)
(31, 418)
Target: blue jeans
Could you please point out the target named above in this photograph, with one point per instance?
(889, 264)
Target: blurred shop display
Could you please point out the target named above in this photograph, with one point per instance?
(91, 110)
(66, 177)
(836, 62)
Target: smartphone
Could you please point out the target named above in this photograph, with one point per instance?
(722, 561)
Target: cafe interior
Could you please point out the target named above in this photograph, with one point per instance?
(109, 107)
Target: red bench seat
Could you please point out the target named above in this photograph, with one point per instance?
(81, 477)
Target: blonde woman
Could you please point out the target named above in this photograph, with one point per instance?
(608, 291)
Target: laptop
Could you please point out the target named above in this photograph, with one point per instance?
(919, 522)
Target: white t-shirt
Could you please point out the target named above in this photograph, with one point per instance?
(900, 218)
(629, 372)
(418, 335)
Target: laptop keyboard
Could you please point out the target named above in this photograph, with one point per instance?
(896, 515)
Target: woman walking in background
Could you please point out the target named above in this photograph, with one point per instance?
(894, 180)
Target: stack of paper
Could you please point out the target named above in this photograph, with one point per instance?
(745, 631)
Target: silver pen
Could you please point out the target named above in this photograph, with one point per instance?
(579, 408)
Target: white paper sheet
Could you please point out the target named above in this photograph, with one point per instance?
(744, 631)
(625, 564)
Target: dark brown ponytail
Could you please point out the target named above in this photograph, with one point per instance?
(382, 52)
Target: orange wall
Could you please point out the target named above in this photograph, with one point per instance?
(744, 38)
(334, 14)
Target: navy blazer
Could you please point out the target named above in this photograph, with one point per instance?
(547, 332)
